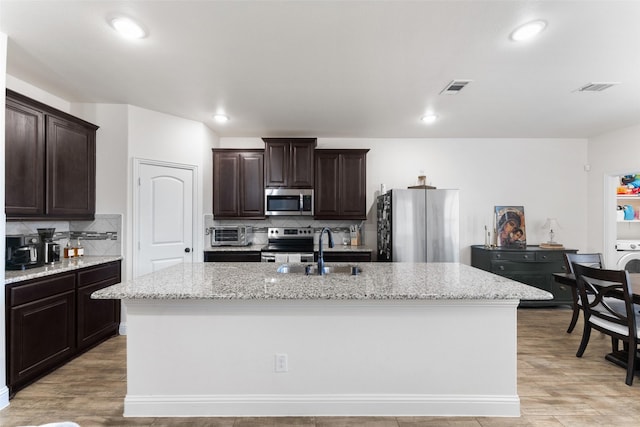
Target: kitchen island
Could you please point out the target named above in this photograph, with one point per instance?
(227, 339)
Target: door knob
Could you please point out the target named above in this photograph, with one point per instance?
(187, 250)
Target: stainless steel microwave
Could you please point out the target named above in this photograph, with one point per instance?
(288, 201)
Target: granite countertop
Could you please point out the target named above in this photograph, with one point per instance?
(336, 248)
(234, 248)
(66, 264)
(378, 281)
(345, 248)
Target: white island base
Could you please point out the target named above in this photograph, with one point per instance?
(343, 357)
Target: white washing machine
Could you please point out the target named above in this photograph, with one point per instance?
(628, 255)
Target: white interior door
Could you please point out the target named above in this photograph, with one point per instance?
(165, 216)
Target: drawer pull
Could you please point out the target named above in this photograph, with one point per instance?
(501, 268)
(498, 256)
(526, 256)
(544, 257)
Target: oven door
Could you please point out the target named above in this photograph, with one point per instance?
(282, 201)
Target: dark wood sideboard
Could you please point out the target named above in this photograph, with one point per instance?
(532, 265)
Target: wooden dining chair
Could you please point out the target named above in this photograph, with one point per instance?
(590, 260)
(607, 301)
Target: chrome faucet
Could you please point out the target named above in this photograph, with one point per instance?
(321, 250)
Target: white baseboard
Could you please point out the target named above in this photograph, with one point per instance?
(4, 397)
(320, 405)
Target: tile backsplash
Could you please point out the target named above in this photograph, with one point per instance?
(340, 229)
(100, 237)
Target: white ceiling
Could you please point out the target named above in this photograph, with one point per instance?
(341, 68)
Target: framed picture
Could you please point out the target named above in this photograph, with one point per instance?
(510, 226)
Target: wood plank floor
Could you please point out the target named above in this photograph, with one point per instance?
(555, 387)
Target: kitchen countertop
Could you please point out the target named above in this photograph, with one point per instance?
(336, 248)
(235, 248)
(378, 281)
(66, 264)
(345, 248)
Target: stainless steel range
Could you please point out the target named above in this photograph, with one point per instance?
(288, 245)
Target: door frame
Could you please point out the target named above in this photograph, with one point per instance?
(137, 164)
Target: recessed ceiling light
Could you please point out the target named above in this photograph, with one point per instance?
(429, 118)
(221, 118)
(528, 30)
(127, 27)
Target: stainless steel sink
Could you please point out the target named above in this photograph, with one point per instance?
(311, 270)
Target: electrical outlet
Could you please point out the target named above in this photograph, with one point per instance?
(282, 362)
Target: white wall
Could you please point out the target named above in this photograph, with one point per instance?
(546, 176)
(111, 161)
(127, 132)
(612, 153)
(158, 136)
(38, 94)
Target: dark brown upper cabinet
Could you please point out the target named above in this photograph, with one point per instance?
(289, 162)
(50, 161)
(238, 183)
(24, 159)
(341, 187)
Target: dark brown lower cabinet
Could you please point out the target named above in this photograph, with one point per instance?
(232, 256)
(41, 325)
(346, 256)
(97, 319)
(50, 320)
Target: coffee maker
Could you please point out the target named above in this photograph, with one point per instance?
(22, 252)
(50, 251)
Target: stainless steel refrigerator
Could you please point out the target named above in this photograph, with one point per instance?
(419, 225)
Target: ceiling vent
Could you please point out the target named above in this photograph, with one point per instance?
(595, 87)
(454, 87)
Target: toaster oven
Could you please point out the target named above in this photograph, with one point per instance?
(236, 235)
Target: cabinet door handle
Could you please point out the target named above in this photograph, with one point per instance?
(526, 256)
(544, 257)
(498, 256)
(501, 268)
(187, 250)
